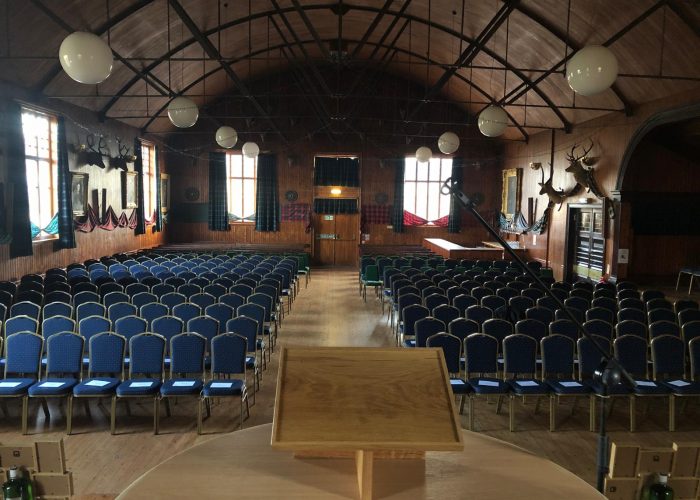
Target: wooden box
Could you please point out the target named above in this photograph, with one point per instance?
(20, 456)
(654, 460)
(623, 460)
(53, 485)
(622, 488)
(51, 456)
(685, 459)
(684, 487)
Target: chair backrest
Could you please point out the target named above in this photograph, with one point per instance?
(463, 301)
(245, 326)
(601, 313)
(115, 298)
(685, 304)
(142, 298)
(410, 315)
(451, 348)
(187, 354)
(628, 294)
(129, 326)
(426, 327)
(221, 313)
(661, 314)
(228, 354)
(264, 301)
(480, 354)
(107, 352)
(659, 328)
(631, 303)
(631, 352)
(23, 354)
(172, 299)
(478, 313)
(497, 328)
(232, 299)
(215, 290)
(589, 358)
(147, 353)
(688, 315)
(445, 313)
(241, 289)
(253, 311)
(531, 328)
(694, 353)
(21, 324)
(57, 324)
(668, 356)
(121, 310)
(462, 327)
(648, 295)
(202, 299)
(55, 309)
(25, 308)
(541, 314)
(493, 302)
(600, 328)
(631, 313)
(631, 327)
(57, 296)
(206, 326)
(64, 354)
(519, 305)
(168, 327)
(557, 356)
(577, 303)
(161, 289)
(93, 325)
(136, 288)
(690, 330)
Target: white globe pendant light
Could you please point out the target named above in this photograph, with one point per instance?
(226, 137)
(493, 121)
(423, 154)
(183, 112)
(85, 57)
(250, 150)
(591, 70)
(448, 143)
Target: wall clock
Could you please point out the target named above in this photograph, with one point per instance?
(191, 193)
(381, 198)
(291, 195)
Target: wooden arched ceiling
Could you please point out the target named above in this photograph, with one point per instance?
(469, 52)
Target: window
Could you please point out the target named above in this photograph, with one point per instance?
(421, 188)
(40, 144)
(148, 160)
(241, 178)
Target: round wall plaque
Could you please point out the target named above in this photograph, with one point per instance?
(191, 193)
(291, 195)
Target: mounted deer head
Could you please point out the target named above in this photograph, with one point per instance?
(89, 155)
(123, 158)
(556, 196)
(583, 175)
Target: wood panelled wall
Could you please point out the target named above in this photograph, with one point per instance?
(79, 122)
(191, 170)
(611, 135)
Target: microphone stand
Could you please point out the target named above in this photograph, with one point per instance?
(608, 373)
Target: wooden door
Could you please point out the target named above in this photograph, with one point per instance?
(586, 243)
(335, 239)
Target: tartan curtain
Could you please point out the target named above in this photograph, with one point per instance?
(21, 231)
(267, 203)
(159, 214)
(331, 171)
(335, 206)
(218, 211)
(455, 219)
(138, 168)
(66, 232)
(397, 215)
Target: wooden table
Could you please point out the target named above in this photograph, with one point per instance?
(332, 401)
(243, 465)
(449, 250)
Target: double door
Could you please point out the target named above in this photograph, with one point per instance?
(586, 243)
(336, 239)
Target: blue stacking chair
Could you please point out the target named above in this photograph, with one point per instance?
(558, 373)
(22, 368)
(481, 370)
(147, 352)
(150, 282)
(409, 316)
(520, 369)
(228, 359)
(632, 314)
(541, 314)
(162, 289)
(564, 327)
(207, 327)
(532, 328)
(25, 308)
(257, 313)
(688, 315)
(186, 311)
(198, 281)
(498, 329)
(232, 299)
(57, 296)
(462, 327)
(120, 310)
(600, 328)
(631, 327)
(83, 297)
(136, 288)
(215, 290)
(478, 314)
(130, 326)
(167, 327)
(659, 328)
(221, 313)
(248, 328)
(463, 301)
(186, 368)
(241, 289)
(115, 298)
(517, 306)
(55, 309)
(106, 287)
(142, 298)
(423, 329)
(202, 300)
(91, 326)
(64, 353)
(189, 289)
(631, 352)
(57, 324)
(452, 350)
(21, 324)
(430, 301)
(268, 304)
(690, 331)
(668, 361)
(172, 299)
(661, 314)
(153, 310)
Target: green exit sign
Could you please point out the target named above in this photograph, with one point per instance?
(327, 217)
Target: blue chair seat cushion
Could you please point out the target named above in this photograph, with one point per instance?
(15, 386)
(649, 387)
(409, 343)
(528, 386)
(565, 387)
(616, 390)
(96, 386)
(139, 387)
(53, 387)
(459, 386)
(181, 387)
(488, 385)
(251, 362)
(223, 387)
(681, 387)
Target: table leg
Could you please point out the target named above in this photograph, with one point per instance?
(364, 461)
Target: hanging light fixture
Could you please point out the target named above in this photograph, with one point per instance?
(85, 57)
(493, 121)
(448, 143)
(226, 137)
(423, 154)
(591, 70)
(250, 150)
(183, 112)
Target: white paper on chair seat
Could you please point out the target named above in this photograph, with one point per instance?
(9, 384)
(52, 384)
(679, 383)
(141, 384)
(456, 382)
(221, 385)
(526, 383)
(488, 383)
(645, 383)
(183, 383)
(570, 384)
(97, 383)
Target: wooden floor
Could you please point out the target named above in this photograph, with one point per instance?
(328, 313)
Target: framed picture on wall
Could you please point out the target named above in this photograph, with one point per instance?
(79, 193)
(512, 186)
(129, 190)
(164, 193)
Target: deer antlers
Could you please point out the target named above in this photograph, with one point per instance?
(123, 158)
(91, 156)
